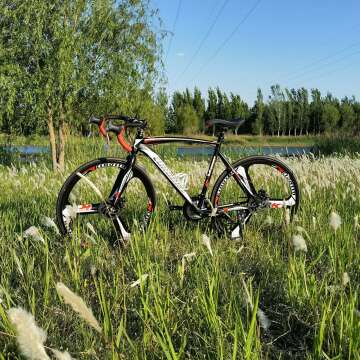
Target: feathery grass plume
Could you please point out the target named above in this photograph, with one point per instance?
(299, 243)
(90, 238)
(91, 228)
(345, 278)
(62, 355)
(78, 305)
(30, 337)
(206, 241)
(187, 257)
(240, 249)
(69, 213)
(287, 217)
(334, 220)
(301, 230)
(269, 220)
(50, 223)
(264, 321)
(141, 279)
(17, 262)
(34, 233)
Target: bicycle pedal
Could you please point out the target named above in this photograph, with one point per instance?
(175, 207)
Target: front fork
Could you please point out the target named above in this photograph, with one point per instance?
(119, 186)
(122, 179)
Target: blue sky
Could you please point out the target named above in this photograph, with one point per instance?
(295, 43)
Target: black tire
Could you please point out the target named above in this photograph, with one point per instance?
(135, 214)
(264, 165)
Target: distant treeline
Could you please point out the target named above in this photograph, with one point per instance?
(286, 112)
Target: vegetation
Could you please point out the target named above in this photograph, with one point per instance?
(287, 291)
(61, 61)
(178, 291)
(287, 112)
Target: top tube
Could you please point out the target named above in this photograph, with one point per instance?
(155, 140)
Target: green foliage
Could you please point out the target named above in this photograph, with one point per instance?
(187, 119)
(74, 58)
(258, 126)
(330, 117)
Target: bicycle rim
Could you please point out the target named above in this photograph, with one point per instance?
(83, 207)
(267, 177)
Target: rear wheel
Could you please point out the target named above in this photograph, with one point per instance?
(274, 187)
(83, 206)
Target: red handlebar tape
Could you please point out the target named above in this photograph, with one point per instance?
(127, 147)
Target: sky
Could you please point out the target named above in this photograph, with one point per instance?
(240, 45)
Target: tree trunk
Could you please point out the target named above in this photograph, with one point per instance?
(62, 140)
(52, 138)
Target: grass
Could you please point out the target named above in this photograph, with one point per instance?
(338, 145)
(188, 307)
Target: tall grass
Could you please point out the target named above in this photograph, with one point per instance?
(338, 144)
(151, 303)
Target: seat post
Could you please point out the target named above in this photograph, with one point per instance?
(220, 140)
(221, 137)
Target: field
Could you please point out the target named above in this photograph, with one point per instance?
(165, 295)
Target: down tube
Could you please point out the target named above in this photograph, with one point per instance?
(165, 171)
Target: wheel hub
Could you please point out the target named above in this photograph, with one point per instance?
(190, 212)
(108, 210)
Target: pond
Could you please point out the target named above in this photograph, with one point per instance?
(25, 149)
(25, 153)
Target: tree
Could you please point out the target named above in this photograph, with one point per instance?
(258, 125)
(304, 96)
(199, 106)
(330, 117)
(316, 110)
(77, 57)
(348, 116)
(211, 110)
(187, 119)
(277, 108)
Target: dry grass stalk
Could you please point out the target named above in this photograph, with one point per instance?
(78, 305)
(30, 337)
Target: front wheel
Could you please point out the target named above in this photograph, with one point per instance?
(83, 204)
(267, 184)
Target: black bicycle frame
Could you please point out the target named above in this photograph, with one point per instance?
(140, 145)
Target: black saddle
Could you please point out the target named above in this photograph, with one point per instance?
(233, 123)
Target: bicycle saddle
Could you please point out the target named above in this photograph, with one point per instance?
(226, 123)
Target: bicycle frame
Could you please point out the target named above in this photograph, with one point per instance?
(140, 146)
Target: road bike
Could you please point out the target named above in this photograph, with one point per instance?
(116, 196)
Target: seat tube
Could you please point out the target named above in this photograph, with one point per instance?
(209, 173)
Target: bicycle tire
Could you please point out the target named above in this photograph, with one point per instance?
(91, 167)
(272, 163)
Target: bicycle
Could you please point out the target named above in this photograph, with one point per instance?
(246, 187)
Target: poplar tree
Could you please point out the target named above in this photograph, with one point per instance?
(258, 125)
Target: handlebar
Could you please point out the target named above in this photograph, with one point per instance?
(129, 121)
(119, 130)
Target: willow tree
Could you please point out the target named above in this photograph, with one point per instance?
(77, 57)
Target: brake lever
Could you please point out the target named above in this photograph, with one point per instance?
(107, 143)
